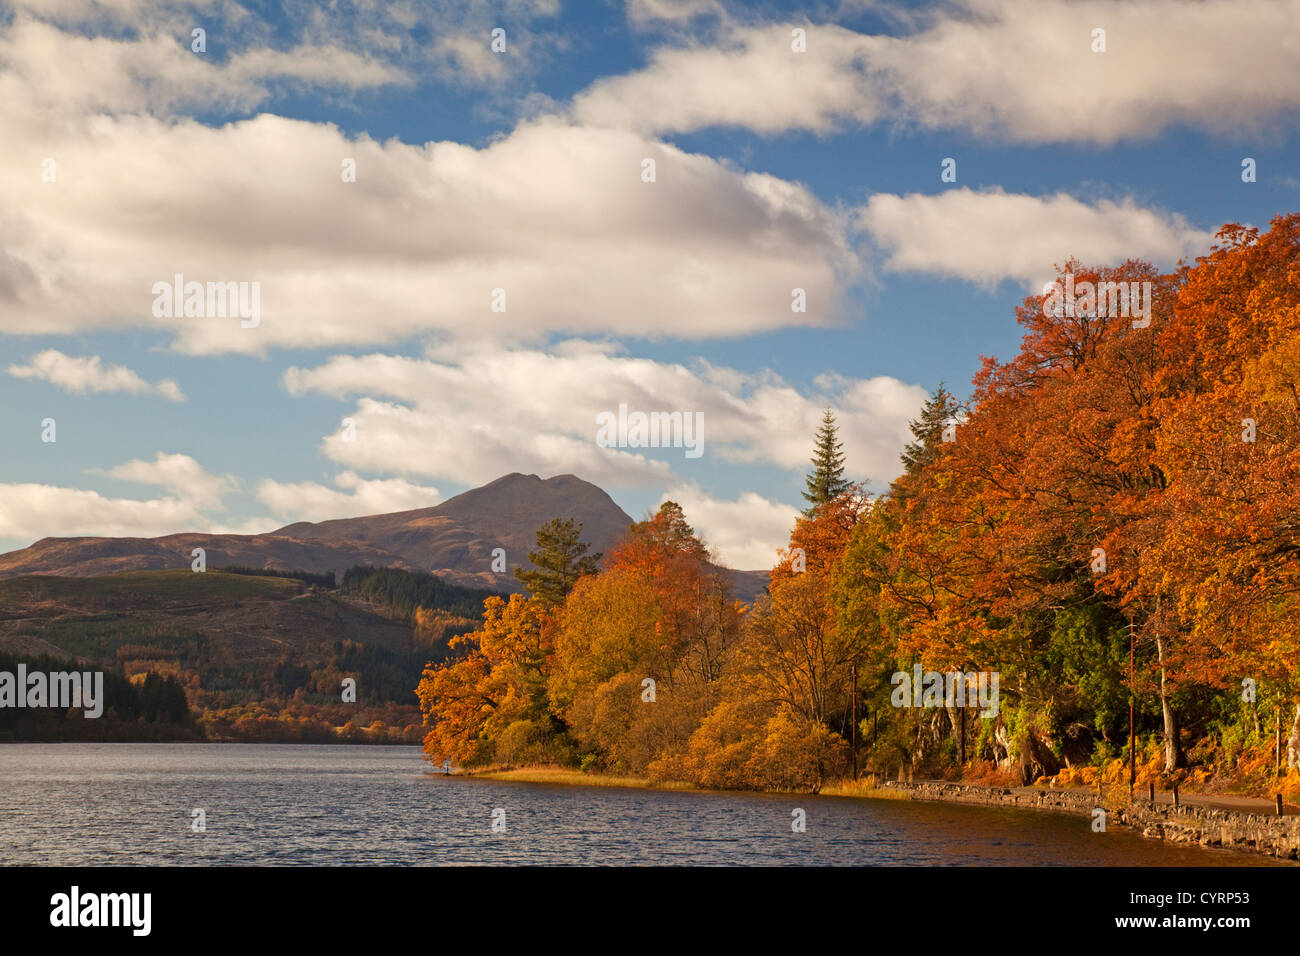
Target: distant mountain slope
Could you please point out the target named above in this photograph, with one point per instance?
(454, 540)
(90, 557)
(234, 623)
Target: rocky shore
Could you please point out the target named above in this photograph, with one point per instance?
(1269, 834)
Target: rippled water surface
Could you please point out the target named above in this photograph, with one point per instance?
(131, 804)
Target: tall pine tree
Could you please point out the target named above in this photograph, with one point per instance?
(826, 482)
(560, 559)
(939, 410)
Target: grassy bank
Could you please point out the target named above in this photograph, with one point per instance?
(864, 788)
(576, 778)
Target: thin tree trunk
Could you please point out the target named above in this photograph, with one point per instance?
(1173, 745)
(1293, 742)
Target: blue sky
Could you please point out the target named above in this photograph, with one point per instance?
(521, 169)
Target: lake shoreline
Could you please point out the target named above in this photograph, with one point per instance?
(1257, 833)
(381, 806)
(1266, 834)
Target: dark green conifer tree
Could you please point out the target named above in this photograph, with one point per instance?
(826, 482)
(560, 559)
(939, 410)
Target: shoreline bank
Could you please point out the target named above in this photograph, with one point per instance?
(1262, 833)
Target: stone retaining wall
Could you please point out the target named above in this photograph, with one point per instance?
(1258, 832)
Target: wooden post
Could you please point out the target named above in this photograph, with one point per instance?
(1152, 792)
(961, 726)
(1278, 745)
(855, 720)
(1175, 794)
(1279, 804)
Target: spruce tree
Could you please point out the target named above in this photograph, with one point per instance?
(938, 411)
(560, 559)
(826, 482)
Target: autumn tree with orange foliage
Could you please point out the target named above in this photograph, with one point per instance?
(1102, 475)
(1119, 469)
(641, 647)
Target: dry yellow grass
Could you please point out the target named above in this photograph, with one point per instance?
(576, 778)
(862, 787)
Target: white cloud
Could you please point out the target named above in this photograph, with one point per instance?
(988, 236)
(745, 533)
(472, 414)
(194, 500)
(753, 79)
(471, 59)
(179, 474)
(32, 511)
(310, 501)
(91, 375)
(556, 215)
(157, 72)
(646, 13)
(997, 68)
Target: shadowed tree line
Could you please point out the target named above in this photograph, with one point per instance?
(153, 708)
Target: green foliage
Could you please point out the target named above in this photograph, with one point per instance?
(1087, 652)
(826, 481)
(927, 431)
(324, 580)
(560, 559)
(400, 592)
(159, 702)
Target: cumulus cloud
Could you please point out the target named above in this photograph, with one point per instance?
(180, 474)
(157, 72)
(193, 499)
(987, 236)
(745, 533)
(89, 374)
(658, 13)
(996, 68)
(32, 511)
(554, 215)
(470, 59)
(474, 414)
(311, 501)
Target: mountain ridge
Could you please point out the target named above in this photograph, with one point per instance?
(455, 539)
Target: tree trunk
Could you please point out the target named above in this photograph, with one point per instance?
(961, 738)
(1293, 742)
(1173, 745)
(954, 724)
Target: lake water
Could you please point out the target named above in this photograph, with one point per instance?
(99, 804)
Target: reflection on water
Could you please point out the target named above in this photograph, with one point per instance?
(92, 804)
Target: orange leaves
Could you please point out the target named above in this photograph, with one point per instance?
(469, 701)
(818, 542)
(1173, 448)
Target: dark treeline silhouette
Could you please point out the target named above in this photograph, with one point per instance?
(324, 580)
(402, 592)
(155, 709)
